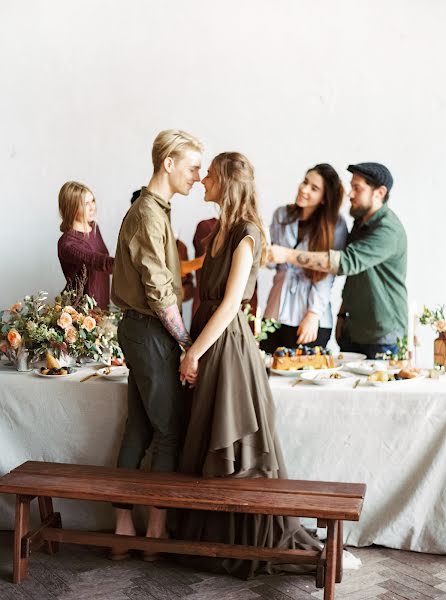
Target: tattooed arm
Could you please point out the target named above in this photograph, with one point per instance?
(328, 262)
(172, 320)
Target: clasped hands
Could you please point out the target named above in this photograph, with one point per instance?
(189, 368)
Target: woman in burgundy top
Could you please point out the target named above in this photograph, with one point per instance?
(81, 242)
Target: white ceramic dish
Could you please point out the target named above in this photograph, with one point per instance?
(324, 378)
(345, 357)
(297, 372)
(395, 382)
(369, 366)
(37, 372)
(113, 372)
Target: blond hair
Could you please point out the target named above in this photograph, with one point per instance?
(173, 143)
(238, 194)
(72, 201)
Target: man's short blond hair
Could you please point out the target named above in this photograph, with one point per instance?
(173, 143)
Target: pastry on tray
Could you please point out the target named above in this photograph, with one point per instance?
(302, 357)
(383, 377)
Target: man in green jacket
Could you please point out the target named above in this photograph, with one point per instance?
(373, 314)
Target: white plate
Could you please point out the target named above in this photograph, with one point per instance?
(115, 372)
(324, 379)
(369, 366)
(296, 372)
(344, 357)
(395, 382)
(37, 372)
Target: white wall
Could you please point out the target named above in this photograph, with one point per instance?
(86, 85)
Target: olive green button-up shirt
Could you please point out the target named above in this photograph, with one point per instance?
(146, 272)
(375, 296)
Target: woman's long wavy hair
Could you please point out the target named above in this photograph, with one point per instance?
(238, 195)
(322, 223)
(72, 201)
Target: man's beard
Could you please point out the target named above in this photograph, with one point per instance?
(358, 213)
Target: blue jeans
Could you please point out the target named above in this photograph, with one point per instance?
(370, 350)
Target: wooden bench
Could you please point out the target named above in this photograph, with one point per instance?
(331, 503)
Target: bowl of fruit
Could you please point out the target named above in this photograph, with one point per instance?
(53, 368)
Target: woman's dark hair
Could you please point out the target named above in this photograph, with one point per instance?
(322, 223)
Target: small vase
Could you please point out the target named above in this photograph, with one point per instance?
(66, 360)
(23, 359)
(440, 350)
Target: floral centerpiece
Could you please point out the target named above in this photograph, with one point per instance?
(72, 326)
(436, 318)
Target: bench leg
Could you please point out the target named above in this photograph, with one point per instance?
(332, 554)
(340, 551)
(21, 529)
(46, 510)
(320, 569)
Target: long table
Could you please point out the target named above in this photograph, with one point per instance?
(391, 438)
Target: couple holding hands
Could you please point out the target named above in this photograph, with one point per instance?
(223, 424)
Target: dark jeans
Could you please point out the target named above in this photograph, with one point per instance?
(156, 402)
(287, 335)
(370, 350)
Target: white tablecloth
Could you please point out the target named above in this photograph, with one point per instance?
(392, 439)
(60, 420)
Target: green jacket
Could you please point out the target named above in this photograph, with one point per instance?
(375, 295)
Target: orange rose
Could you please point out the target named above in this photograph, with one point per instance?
(70, 335)
(16, 307)
(89, 324)
(65, 320)
(14, 338)
(72, 312)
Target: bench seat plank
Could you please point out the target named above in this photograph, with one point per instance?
(307, 488)
(187, 495)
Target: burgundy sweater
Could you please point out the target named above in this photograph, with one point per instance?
(76, 249)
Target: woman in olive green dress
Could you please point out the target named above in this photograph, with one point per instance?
(231, 427)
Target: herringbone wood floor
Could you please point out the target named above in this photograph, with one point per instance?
(78, 573)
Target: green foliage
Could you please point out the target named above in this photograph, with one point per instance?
(267, 326)
(436, 318)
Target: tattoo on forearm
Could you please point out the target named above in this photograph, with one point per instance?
(317, 261)
(302, 259)
(171, 319)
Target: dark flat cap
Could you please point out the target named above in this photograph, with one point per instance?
(374, 172)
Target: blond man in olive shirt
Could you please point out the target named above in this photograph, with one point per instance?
(147, 287)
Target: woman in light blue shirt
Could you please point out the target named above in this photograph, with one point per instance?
(300, 298)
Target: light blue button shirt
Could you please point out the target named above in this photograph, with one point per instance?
(298, 293)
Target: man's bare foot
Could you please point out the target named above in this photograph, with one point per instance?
(156, 528)
(124, 526)
(124, 522)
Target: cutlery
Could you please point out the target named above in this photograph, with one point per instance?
(89, 377)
